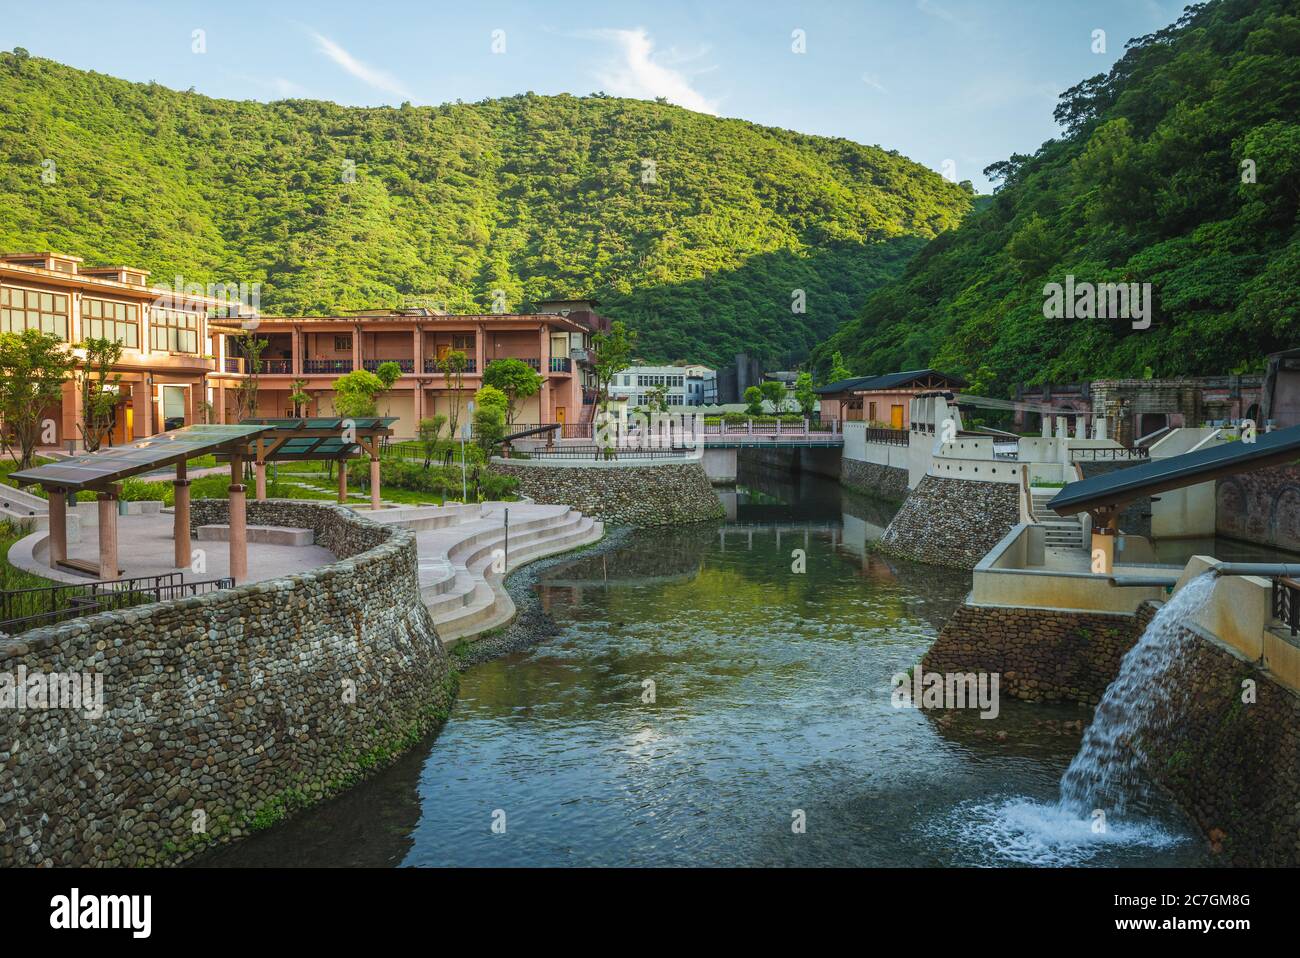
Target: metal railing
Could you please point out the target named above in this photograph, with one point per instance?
(233, 364)
(561, 364)
(598, 452)
(23, 609)
(327, 365)
(1286, 603)
(277, 367)
(535, 363)
(890, 437)
(431, 366)
(372, 365)
(1110, 452)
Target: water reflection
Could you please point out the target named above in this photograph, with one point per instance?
(698, 692)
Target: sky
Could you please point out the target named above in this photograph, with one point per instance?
(953, 84)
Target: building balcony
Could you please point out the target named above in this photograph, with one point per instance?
(536, 364)
(372, 365)
(431, 366)
(326, 366)
(277, 367)
(561, 364)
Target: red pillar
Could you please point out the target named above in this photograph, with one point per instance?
(58, 526)
(108, 534)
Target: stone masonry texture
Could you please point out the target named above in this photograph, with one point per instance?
(629, 495)
(1042, 655)
(887, 482)
(952, 522)
(227, 711)
(1261, 507)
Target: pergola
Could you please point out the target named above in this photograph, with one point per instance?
(101, 472)
(321, 440)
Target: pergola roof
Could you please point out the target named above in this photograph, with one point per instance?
(1112, 490)
(316, 439)
(99, 470)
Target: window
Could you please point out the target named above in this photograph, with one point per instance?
(343, 344)
(29, 309)
(174, 330)
(462, 341)
(102, 319)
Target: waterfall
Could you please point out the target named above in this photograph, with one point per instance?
(1107, 772)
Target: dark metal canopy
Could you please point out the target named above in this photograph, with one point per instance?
(322, 438)
(1109, 492)
(100, 470)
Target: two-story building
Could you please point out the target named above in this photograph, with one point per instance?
(165, 355)
(317, 350)
(689, 385)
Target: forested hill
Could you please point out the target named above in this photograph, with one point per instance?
(1180, 168)
(695, 229)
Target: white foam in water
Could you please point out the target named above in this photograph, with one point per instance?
(1107, 773)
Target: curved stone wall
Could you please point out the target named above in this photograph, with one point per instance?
(952, 522)
(223, 712)
(650, 494)
(873, 479)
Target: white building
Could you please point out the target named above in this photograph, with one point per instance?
(692, 385)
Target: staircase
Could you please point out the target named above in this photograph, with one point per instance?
(462, 549)
(1061, 532)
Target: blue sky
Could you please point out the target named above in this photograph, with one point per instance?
(966, 81)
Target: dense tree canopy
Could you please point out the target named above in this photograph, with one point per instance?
(1180, 168)
(696, 230)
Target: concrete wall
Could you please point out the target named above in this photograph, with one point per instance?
(1261, 507)
(227, 710)
(644, 492)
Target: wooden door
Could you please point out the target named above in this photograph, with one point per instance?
(896, 416)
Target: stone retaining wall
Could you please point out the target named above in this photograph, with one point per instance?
(952, 522)
(649, 495)
(1233, 766)
(223, 712)
(1042, 655)
(886, 482)
(1261, 506)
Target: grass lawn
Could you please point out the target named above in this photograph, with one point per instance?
(11, 578)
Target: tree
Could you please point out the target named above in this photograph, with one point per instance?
(774, 392)
(804, 395)
(839, 372)
(754, 401)
(515, 379)
(613, 354)
(33, 368)
(356, 394)
(246, 391)
(299, 397)
(658, 397)
(98, 384)
(453, 366)
(490, 406)
(430, 431)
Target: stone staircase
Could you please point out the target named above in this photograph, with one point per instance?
(1061, 532)
(463, 557)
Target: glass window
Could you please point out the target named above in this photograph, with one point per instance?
(31, 309)
(174, 330)
(102, 319)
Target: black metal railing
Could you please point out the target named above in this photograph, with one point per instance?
(1286, 603)
(1110, 452)
(599, 452)
(327, 365)
(890, 437)
(372, 365)
(561, 364)
(277, 367)
(23, 609)
(431, 366)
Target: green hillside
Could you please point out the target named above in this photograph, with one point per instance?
(1145, 187)
(536, 196)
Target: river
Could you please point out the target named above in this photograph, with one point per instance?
(720, 695)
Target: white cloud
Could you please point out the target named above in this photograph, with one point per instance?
(870, 80)
(638, 71)
(370, 76)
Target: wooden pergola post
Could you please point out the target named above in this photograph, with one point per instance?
(107, 503)
(343, 482)
(374, 474)
(238, 521)
(181, 517)
(1105, 530)
(58, 526)
(259, 468)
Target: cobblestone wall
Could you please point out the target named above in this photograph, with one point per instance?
(1233, 765)
(1261, 507)
(1041, 655)
(952, 522)
(887, 482)
(645, 496)
(223, 712)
